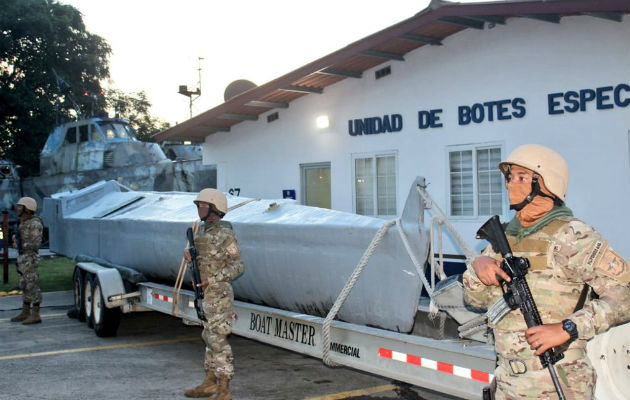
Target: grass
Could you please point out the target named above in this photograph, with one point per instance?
(55, 274)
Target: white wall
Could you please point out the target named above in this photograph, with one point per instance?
(525, 58)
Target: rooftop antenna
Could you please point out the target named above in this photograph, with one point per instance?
(183, 89)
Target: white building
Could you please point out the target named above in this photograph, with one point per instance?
(495, 77)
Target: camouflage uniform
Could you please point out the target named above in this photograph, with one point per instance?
(564, 255)
(219, 262)
(30, 231)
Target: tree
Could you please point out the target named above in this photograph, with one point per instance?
(46, 56)
(134, 107)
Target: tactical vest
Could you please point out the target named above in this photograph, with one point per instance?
(211, 243)
(555, 295)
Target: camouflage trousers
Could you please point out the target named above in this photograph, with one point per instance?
(217, 306)
(577, 379)
(27, 267)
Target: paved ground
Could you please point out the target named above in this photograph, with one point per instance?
(155, 356)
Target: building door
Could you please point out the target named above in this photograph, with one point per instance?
(316, 184)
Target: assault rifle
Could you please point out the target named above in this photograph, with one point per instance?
(18, 239)
(517, 294)
(196, 276)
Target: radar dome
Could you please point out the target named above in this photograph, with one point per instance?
(237, 87)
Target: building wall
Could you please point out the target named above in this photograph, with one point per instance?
(525, 59)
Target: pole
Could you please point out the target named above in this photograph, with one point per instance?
(5, 246)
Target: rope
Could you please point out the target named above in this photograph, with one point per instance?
(181, 273)
(430, 288)
(241, 204)
(468, 252)
(348, 287)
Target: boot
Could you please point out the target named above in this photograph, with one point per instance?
(26, 311)
(224, 390)
(207, 388)
(34, 317)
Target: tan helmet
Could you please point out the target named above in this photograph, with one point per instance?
(28, 202)
(213, 196)
(544, 162)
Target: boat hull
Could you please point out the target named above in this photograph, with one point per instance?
(296, 257)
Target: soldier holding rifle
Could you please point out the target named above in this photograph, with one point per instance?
(579, 283)
(219, 262)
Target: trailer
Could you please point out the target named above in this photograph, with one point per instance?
(337, 286)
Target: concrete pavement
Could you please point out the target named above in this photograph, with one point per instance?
(155, 356)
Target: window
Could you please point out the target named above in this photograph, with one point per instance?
(116, 130)
(71, 136)
(375, 184)
(95, 134)
(83, 133)
(476, 184)
(316, 184)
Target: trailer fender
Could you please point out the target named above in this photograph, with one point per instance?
(110, 281)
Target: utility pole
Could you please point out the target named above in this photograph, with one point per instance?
(183, 89)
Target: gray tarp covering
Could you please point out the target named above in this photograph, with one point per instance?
(296, 257)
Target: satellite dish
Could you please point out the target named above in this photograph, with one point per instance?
(237, 87)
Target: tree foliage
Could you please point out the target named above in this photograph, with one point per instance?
(40, 40)
(134, 107)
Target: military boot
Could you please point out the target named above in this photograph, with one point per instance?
(34, 317)
(26, 311)
(207, 388)
(224, 390)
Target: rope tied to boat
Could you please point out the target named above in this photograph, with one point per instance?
(348, 287)
(376, 240)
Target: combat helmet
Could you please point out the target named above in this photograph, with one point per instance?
(214, 197)
(29, 203)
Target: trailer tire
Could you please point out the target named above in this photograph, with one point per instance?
(79, 293)
(106, 320)
(88, 285)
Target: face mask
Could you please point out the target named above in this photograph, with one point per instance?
(536, 209)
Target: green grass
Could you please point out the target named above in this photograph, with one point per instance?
(55, 274)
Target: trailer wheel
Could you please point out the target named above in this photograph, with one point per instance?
(88, 284)
(106, 320)
(79, 293)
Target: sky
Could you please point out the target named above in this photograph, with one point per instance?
(156, 44)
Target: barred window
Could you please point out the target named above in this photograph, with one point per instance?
(375, 184)
(476, 184)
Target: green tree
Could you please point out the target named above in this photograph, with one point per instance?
(46, 56)
(134, 107)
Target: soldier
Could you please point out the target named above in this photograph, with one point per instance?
(568, 258)
(220, 263)
(27, 241)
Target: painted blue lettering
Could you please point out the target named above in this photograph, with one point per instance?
(552, 103)
(477, 113)
(369, 126)
(429, 119)
(463, 113)
(571, 98)
(351, 125)
(490, 106)
(601, 98)
(617, 95)
(378, 125)
(518, 104)
(424, 119)
(435, 118)
(586, 95)
(387, 126)
(397, 122)
(502, 109)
